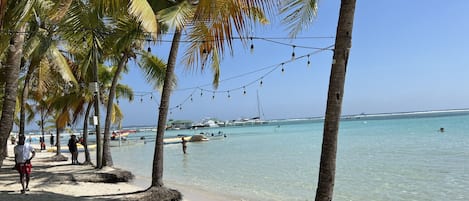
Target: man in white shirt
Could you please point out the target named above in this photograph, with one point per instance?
(23, 161)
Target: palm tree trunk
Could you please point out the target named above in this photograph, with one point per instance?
(107, 157)
(24, 97)
(12, 69)
(99, 143)
(85, 134)
(58, 152)
(157, 174)
(343, 44)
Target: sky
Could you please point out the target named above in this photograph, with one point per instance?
(405, 56)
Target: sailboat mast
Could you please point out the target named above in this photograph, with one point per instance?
(258, 105)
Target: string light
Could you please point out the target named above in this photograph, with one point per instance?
(273, 68)
(149, 48)
(309, 62)
(293, 53)
(141, 99)
(252, 46)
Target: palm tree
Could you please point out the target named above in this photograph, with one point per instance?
(302, 14)
(13, 14)
(123, 42)
(212, 19)
(41, 46)
(11, 68)
(84, 25)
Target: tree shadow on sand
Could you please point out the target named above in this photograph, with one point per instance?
(43, 196)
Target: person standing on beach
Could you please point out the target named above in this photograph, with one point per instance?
(72, 147)
(42, 142)
(51, 139)
(184, 145)
(23, 161)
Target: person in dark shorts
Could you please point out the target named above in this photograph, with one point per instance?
(23, 162)
(72, 147)
(184, 145)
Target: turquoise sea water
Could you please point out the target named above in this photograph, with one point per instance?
(386, 159)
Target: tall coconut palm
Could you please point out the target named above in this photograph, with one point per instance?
(40, 46)
(342, 47)
(220, 17)
(84, 25)
(124, 41)
(13, 15)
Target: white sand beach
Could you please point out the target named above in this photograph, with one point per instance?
(54, 181)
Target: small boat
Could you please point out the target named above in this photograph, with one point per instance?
(198, 138)
(188, 138)
(116, 135)
(215, 136)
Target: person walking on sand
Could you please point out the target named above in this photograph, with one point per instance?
(72, 147)
(184, 145)
(23, 162)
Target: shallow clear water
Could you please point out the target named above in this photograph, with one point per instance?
(393, 159)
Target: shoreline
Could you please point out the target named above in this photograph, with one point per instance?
(45, 186)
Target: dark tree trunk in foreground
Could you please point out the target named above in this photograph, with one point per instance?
(107, 157)
(157, 174)
(343, 44)
(85, 134)
(12, 69)
(57, 130)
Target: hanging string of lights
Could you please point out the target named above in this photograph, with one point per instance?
(243, 87)
(274, 40)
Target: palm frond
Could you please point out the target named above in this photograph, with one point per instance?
(142, 10)
(61, 64)
(298, 14)
(178, 15)
(124, 91)
(117, 115)
(60, 8)
(154, 69)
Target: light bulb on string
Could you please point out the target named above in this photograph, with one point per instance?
(283, 69)
(244, 90)
(180, 107)
(201, 93)
(293, 53)
(149, 48)
(252, 46)
(213, 96)
(309, 62)
(151, 96)
(261, 83)
(141, 99)
(191, 98)
(229, 94)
